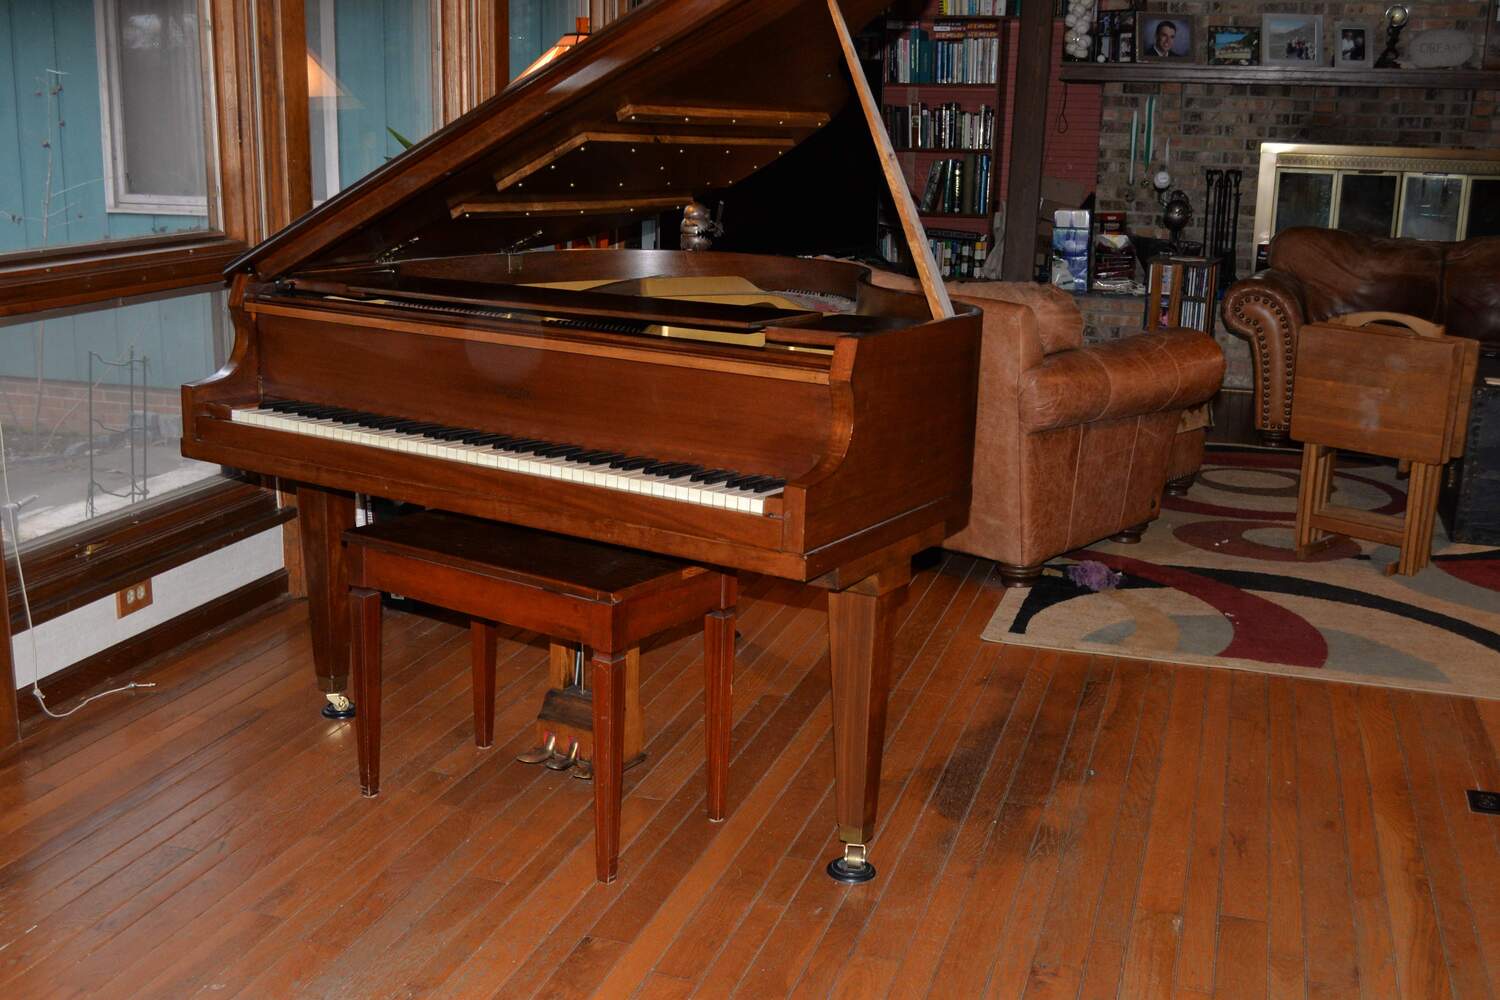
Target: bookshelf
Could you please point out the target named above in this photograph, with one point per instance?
(941, 95)
(1182, 292)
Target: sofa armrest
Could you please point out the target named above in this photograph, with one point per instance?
(1267, 310)
(1146, 373)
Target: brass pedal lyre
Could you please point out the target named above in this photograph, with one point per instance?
(539, 753)
(557, 762)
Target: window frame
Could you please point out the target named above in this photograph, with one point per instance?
(118, 200)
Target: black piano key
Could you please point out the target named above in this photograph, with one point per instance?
(748, 483)
(717, 476)
(734, 482)
(772, 483)
(479, 437)
(630, 464)
(560, 451)
(607, 458)
(523, 445)
(675, 470)
(587, 457)
(655, 467)
(698, 476)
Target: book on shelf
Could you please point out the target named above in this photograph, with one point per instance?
(958, 185)
(949, 52)
(958, 254)
(945, 126)
(977, 8)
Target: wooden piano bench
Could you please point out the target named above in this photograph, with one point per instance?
(604, 598)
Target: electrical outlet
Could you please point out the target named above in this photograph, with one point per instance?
(133, 598)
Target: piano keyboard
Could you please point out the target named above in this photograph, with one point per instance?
(679, 481)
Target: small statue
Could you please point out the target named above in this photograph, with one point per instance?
(1396, 16)
(698, 228)
(1177, 214)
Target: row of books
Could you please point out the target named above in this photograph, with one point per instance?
(1197, 297)
(957, 186)
(978, 8)
(957, 52)
(958, 254)
(947, 126)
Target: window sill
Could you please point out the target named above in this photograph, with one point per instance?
(33, 281)
(100, 558)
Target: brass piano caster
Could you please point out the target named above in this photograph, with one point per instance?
(853, 868)
(540, 753)
(338, 706)
(557, 762)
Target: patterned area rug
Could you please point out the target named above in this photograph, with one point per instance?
(1215, 582)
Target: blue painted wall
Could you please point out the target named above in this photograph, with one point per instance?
(50, 116)
(384, 59)
(534, 26)
(178, 335)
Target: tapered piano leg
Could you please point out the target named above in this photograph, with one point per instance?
(324, 517)
(860, 630)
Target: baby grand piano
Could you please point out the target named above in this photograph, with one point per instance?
(770, 414)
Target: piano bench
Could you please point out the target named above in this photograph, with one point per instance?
(606, 599)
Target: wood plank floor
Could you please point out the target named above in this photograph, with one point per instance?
(1053, 825)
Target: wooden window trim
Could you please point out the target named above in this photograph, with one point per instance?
(42, 282)
(69, 569)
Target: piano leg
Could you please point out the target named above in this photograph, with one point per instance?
(860, 630)
(324, 517)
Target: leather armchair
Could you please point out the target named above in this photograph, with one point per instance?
(1072, 441)
(1316, 274)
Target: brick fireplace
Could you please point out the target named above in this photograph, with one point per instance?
(1222, 125)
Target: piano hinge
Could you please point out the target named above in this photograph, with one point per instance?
(389, 254)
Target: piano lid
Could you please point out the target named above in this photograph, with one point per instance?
(673, 102)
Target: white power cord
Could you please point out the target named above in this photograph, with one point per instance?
(36, 663)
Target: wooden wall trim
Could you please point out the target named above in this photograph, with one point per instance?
(80, 567)
(10, 722)
(1023, 188)
(280, 78)
(474, 54)
(106, 665)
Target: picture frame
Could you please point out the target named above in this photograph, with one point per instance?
(1233, 44)
(1354, 44)
(1161, 37)
(1291, 40)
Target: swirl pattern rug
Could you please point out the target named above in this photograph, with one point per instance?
(1215, 581)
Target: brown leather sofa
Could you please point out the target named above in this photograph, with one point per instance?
(1072, 441)
(1316, 274)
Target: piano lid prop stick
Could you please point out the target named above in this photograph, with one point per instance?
(916, 236)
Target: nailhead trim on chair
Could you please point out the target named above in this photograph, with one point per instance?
(1263, 349)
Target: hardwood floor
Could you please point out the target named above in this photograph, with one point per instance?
(1052, 825)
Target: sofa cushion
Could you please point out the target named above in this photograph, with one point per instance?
(1146, 373)
(1346, 273)
(1471, 289)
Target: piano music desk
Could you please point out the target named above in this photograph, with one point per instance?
(605, 598)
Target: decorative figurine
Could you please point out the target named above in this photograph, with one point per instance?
(1396, 17)
(698, 228)
(1176, 216)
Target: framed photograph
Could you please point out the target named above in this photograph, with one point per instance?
(1353, 45)
(1292, 40)
(1233, 45)
(1159, 37)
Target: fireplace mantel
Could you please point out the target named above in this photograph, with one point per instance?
(1320, 76)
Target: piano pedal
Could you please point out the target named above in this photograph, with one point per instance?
(557, 762)
(338, 706)
(584, 769)
(540, 752)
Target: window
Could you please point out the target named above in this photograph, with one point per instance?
(91, 405)
(100, 139)
(151, 96)
(370, 85)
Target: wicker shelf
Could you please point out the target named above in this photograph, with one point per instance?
(1297, 76)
